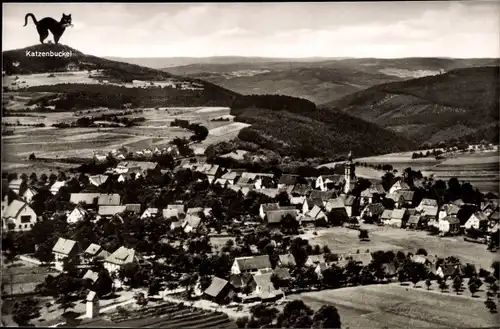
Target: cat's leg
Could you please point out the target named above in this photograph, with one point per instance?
(44, 33)
(56, 38)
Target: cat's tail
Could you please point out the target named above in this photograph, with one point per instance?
(32, 16)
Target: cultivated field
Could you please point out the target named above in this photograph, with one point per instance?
(343, 240)
(395, 306)
(481, 169)
(155, 131)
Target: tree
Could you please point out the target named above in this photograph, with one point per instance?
(327, 317)
(473, 289)
(457, 283)
(402, 276)
(428, 283)
(496, 269)
(422, 252)
(443, 285)
(25, 311)
(262, 316)
(363, 235)
(154, 287)
(141, 299)
(296, 314)
(490, 304)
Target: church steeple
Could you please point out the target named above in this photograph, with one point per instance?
(349, 176)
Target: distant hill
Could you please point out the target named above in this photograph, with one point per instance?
(319, 80)
(117, 74)
(462, 103)
(163, 62)
(297, 127)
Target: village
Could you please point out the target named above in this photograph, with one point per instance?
(193, 233)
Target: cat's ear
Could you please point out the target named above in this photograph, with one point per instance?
(69, 15)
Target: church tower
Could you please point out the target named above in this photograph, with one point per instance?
(349, 176)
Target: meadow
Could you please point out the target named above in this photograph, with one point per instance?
(396, 306)
(50, 142)
(344, 240)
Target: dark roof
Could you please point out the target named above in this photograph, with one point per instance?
(288, 179)
(253, 263)
(270, 206)
(376, 209)
(240, 280)
(407, 195)
(216, 287)
(314, 202)
(283, 273)
(276, 216)
(495, 216)
(133, 207)
(415, 219)
(323, 195)
(349, 200)
(452, 219)
(301, 189)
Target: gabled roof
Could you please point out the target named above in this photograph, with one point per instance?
(267, 288)
(103, 254)
(405, 194)
(286, 179)
(91, 275)
(401, 185)
(14, 208)
(86, 198)
(108, 200)
(335, 179)
(394, 196)
(387, 214)
(495, 216)
(316, 202)
(194, 211)
(276, 216)
(314, 212)
(398, 213)
(192, 220)
(270, 192)
(98, 180)
(56, 187)
(179, 207)
(349, 200)
(110, 210)
(451, 219)
(231, 175)
(480, 215)
(298, 200)
(31, 190)
(122, 256)
(458, 202)
(414, 219)
(216, 287)
(335, 204)
(301, 189)
(430, 211)
(428, 202)
(150, 211)
(451, 209)
(376, 209)
(240, 280)
(323, 195)
(133, 207)
(287, 260)
(168, 213)
(93, 249)
(253, 262)
(282, 273)
(64, 246)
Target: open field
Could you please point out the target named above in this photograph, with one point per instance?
(343, 240)
(395, 306)
(156, 131)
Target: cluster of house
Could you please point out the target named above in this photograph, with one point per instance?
(427, 213)
(147, 153)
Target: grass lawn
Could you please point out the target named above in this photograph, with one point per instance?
(395, 306)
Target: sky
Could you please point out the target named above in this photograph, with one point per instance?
(460, 29)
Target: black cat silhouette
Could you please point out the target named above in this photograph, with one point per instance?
(47, 24)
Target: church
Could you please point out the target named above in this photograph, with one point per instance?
(349, 174)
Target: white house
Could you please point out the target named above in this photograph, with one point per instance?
(475, 220)
(251, 264)
(18, 216)
(56, 187)
(119, 258)
(63, 249)
(29, 194)
(399, 185)
(76, 215)
(449, 224)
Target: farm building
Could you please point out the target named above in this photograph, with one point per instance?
(108, 199)
(397, 219)
(373, 211)
(76, 215)
(275, 217)
(449, 225)
(399, 185)
(476, 220)
(251, 264)
(18, 216)
(286, 260)
(62, 249)
(219, 291)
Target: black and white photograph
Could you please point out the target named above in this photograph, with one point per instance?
(251, 165)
